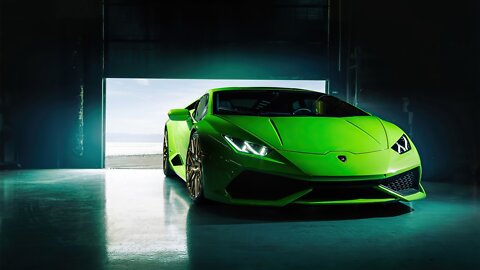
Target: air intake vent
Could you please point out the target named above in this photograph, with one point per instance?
(261, 186)
(177, 160)
(404, 184)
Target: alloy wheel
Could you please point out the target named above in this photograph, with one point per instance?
(194, 168)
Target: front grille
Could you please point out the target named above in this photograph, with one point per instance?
(262, 186)
(405, 183)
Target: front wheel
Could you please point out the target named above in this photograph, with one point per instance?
(194, 169)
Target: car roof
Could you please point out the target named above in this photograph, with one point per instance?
(257, 88)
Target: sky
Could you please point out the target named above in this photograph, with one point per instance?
(140, 106)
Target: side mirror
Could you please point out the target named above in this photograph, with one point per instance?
(178, 114)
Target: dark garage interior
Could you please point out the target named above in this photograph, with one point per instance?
(413, 63)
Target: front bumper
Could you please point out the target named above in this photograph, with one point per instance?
(267, 189)
(276, 181)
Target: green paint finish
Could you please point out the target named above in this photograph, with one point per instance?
(303, 148)
(348, 137)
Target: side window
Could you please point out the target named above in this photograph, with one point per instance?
(201, 109)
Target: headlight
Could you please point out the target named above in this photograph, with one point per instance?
(402, 145)
(247, 147)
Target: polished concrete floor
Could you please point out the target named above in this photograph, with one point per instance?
(138, 219)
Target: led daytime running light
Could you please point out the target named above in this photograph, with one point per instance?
(247, 147)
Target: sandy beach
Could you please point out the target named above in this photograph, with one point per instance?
(134, 162)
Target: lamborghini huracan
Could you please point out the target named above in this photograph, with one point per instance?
(279, 146)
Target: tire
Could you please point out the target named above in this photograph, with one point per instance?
(194, 169)
(167, 168)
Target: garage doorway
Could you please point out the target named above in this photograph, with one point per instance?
(136, 112)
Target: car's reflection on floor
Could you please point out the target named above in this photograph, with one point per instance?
(370, 236)
(241, 237)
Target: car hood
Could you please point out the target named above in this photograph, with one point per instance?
(317, 135)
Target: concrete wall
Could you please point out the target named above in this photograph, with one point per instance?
(51, 86)
(215, 39)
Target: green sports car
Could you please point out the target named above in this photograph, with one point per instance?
(278, 146)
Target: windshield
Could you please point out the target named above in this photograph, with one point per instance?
(281, 103)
